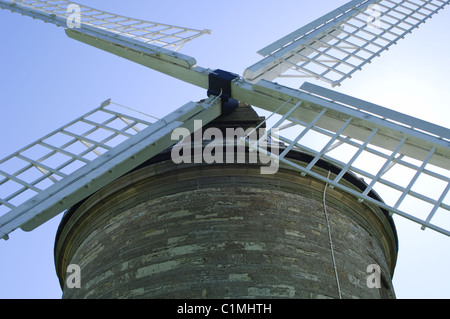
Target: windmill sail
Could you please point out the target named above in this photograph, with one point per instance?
(340, 43)
(57, 171)
(404, 159)
(72, 15)
(153, 45)
(27, 202)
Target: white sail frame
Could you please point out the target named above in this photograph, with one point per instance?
(106, 163)
(335, 46)
(351, 133)
(72, 15)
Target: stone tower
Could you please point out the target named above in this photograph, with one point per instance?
(221, 230)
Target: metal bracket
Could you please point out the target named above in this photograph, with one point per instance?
(220, 85)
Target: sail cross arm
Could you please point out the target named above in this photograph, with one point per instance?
(180, 66)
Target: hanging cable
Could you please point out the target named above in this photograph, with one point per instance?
(329, 237)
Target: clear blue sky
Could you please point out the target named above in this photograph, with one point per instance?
(47, 79)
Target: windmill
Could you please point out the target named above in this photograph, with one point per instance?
(269, 88)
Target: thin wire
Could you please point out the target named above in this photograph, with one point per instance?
(329, 237)
(139, 112)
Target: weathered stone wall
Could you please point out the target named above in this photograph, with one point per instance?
(223, 231)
